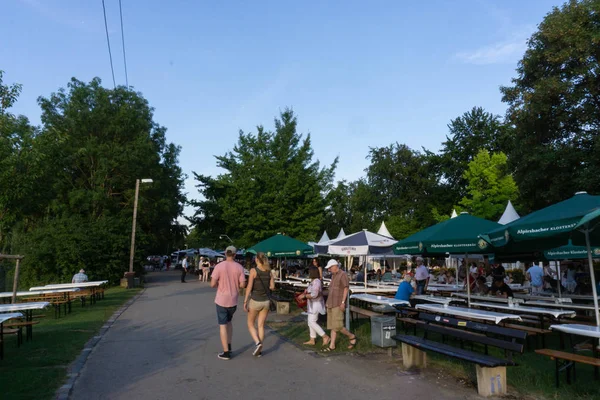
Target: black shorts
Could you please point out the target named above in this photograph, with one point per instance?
(225, 314)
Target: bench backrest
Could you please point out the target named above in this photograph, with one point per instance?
(474, 326)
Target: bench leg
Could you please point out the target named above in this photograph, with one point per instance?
(557, 373)
(413, 357)
(491, 381)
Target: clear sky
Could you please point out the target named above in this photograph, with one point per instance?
(358, 74)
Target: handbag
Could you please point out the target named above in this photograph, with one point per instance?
(301, 303)
(272, 305)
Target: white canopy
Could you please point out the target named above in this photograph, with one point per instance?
(454, 214)
(341, 235)
(324, 238)
(510, 215)
(383, 231)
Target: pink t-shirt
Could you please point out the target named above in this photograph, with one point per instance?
(229, 275)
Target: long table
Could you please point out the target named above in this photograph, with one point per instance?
(570, 306)
(28, 309)
(3, 319)
(479, 297)
(577, 329)
(528, 310)
(438, 299)
(388, 301)
(70, 285)
(467, 312)
(38, 292)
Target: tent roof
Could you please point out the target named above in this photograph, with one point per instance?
(383, 231)
(324, 238)
(510, 215)
(362, 243)
(281, 246)
(341, 235)
(454, 214)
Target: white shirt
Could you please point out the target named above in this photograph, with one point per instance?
(317, 303)
(184, 263)
(421, 273)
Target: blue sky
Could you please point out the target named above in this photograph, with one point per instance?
(358, 74)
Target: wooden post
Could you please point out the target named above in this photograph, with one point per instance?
(491, 381)
(413, 357)
(16, 282)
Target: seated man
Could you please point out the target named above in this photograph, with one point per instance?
(360, 276)
(405, 290)
(387, 276)
(480, 286)
(80, 277)
(501, 289)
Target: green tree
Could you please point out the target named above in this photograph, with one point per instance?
(490, 187)
(271, 185)
(554, 106)
(472, 131)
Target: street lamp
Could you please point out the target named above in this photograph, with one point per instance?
(135, 204)
(225, 236)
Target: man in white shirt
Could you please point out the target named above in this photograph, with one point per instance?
(421, 276)
(184, 268)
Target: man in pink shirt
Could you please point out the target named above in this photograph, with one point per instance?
(228, 277)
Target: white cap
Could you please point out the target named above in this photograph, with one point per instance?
(331, 263)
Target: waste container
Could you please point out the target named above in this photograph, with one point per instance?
(383, 329)
(129, 277)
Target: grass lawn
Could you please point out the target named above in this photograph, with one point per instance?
(38, 368)
(532, 378)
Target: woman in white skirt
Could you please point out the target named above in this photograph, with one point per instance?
(315, 306)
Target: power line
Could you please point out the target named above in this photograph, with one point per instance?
(108, 41)
(123, 40)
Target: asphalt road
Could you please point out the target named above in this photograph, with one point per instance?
(165, 345)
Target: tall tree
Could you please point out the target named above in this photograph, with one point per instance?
(474, 130)
(490, 186)
(554, 106)
(271, 185)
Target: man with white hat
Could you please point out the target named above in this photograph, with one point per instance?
(336, 305)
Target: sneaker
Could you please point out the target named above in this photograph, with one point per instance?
(257, 350)
(224, 355)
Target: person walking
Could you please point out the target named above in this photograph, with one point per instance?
(535, 274)
(422, 276)
(336, 305)
(184, 268)
(205, 269)
(228, 277)
(256, 302)
(315, 306)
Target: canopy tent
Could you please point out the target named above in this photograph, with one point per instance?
(576, 218)
(324, 239)
(458, 235)
(383, 231)
(454, 214)
(510, 215)
(281, 246)
(206, 252)
(341, 235)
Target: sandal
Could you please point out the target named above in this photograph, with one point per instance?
(327, 350)
(353, 342)
(325, 343)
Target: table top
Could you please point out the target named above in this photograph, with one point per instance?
(6, 317)
(438, 299)
(518, 308)
(560, 305)
(549, 297)
(370, 298)
(480, 297)
(38, 292)
(445, 288)
(577, 329)
(361, 289)
(69, 285)
(37, 305)
(467, 312)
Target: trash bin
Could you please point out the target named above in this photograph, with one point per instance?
(383, 329)
(129, 276)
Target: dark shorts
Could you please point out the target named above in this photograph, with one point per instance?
(225, 314)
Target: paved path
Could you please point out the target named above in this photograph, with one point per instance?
(165, 347)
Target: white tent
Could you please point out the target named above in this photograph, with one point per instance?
(510, 215)
(341, 235)
(324, 238)
(454, 214)
(383, 231)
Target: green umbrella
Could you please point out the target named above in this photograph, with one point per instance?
(281, 246)
(576, 218)
(570, 252)
(459, 235)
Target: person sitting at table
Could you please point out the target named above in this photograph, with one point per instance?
(360, 276)
(508, 279)
(387, 276)
(501, 289)
(80, 277)
(441, 278)
(481, 286)
(405, 290)
(450, 278)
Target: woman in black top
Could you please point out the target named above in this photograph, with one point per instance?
(256, 302)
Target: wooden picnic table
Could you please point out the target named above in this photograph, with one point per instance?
(28, 309)
(467, 312)
(3, 319)
(479, 297)
(570, 306)
(592, 332)
(524, 309)
(438, 299)
(39, 292)
(70, 285)
(388, 301)
(444, 288)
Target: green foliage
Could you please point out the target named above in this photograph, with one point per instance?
(68, 187)
(490, 186)
(554, 105)
(271, 185)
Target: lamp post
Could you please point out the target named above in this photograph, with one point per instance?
(135, 204)
(225, 236)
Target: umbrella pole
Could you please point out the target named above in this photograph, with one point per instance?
(365, 269)
(593, 279)
(468, 270)
(558, 279)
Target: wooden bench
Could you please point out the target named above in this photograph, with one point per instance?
(566, 361)
(22, 324)
(491, 371)
(10, 331)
